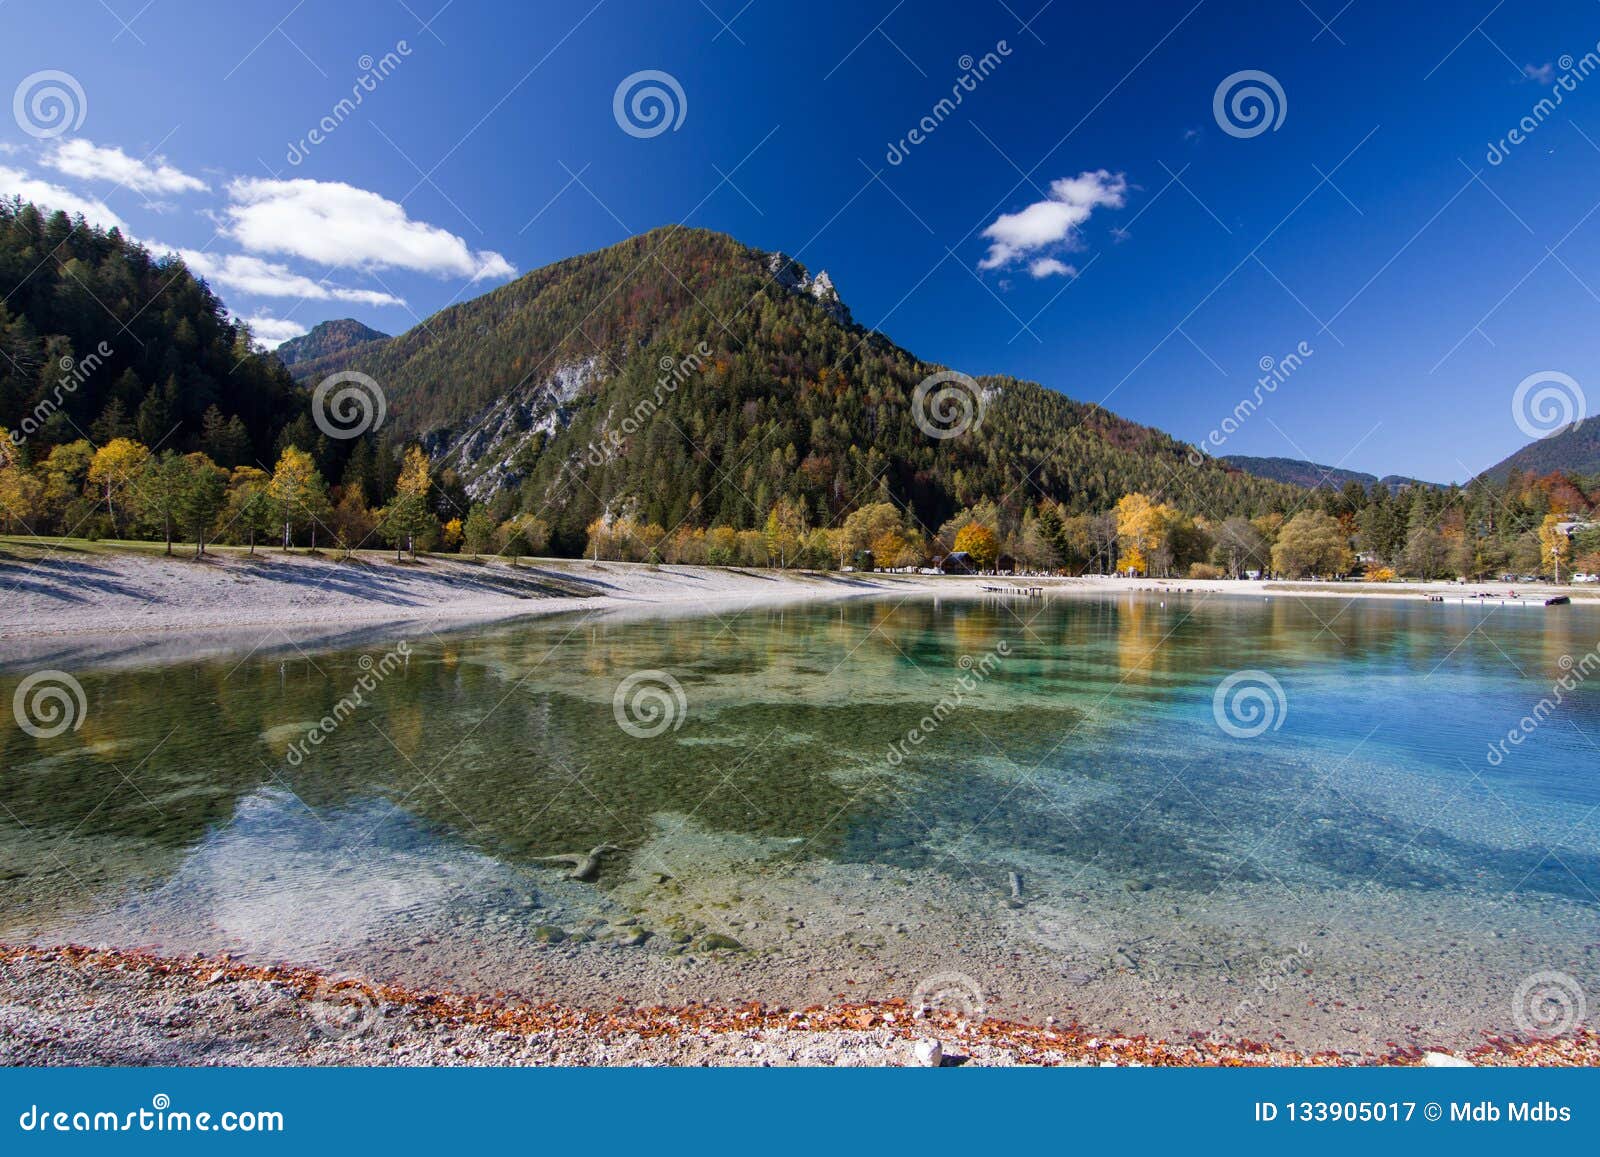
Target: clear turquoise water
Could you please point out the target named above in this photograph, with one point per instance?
(1087, 758)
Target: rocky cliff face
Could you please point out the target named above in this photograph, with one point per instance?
(790, 274)
(488, 450)
(493, 449)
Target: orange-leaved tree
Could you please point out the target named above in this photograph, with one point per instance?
(979, 542)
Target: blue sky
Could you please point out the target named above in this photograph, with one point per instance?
(1173, 256)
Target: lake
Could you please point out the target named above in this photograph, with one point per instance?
(1269, 818)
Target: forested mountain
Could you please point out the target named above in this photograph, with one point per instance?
(678, 397)
(99, 340)
(330, 337)
(683, 377)
(1576, 450)
(1299, 472)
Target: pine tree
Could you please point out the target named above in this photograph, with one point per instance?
(157, 493)
(407, 516)
(1053, 532)
(224, 440)
(477, 535)
(156, 416)
(111, 424)
(202, 493)
(360, 472)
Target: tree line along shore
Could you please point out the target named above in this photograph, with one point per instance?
(124, 489)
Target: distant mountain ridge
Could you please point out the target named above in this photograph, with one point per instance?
(1298, 472)
(1575, 450)
(340, 336)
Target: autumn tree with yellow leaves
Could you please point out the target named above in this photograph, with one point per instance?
(114, 468)
(981, 543)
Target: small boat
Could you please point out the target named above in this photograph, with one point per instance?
(1558, 601)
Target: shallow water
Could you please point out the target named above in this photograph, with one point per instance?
(846, 790)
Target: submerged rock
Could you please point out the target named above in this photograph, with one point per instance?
(584, 866)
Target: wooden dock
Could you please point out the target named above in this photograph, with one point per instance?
(1538, 603)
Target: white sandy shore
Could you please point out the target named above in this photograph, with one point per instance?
(75, 590)
(68, 591)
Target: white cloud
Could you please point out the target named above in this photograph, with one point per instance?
(1050, 267)
(272, 332)
(338, 224)
(1543, 73)
(91, 162)
(1054, 221)
(16, 182)
(245, 274)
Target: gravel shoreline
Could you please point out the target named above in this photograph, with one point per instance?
(81, 1006)
(116, 596)
(130, 596)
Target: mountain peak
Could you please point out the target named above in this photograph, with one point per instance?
(790, 274)
(337, 336)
